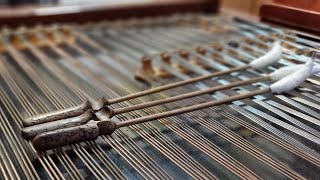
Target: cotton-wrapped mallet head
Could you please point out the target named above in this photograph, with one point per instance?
(285, 71)
(293, 80)
(315, 70)
(271, 57)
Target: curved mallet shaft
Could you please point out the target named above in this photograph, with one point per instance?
(272, 56)
(93, 129)
(275, 76)
(78, 110)
(191, 108)
(31, 131)
(113, 112)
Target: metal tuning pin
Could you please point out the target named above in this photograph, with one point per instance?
(146, 73)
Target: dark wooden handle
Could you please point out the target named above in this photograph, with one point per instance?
(57, 115)
(62, 137)
(29, 132)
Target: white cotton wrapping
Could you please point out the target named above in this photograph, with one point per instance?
(293, 80)
(315, 69)
(269, 58)
(285, 71)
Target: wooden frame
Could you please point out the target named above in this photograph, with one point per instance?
(28, 16)
(292, 17)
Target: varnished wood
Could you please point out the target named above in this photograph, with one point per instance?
(28, 16)
(293, 17)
